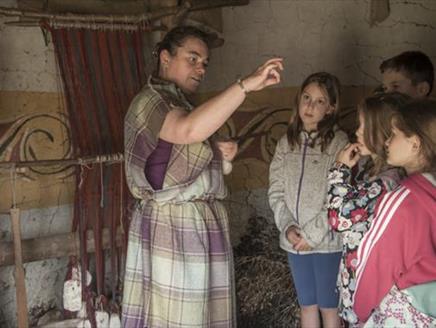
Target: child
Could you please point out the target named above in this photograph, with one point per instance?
(410, 72)
(298, 184)
(351, 206)
(399, 250)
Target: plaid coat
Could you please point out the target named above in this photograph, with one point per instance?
(179, 267)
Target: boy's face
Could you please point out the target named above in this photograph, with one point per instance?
(399, 82)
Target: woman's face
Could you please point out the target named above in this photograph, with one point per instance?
(314, 105)
(188, 65)
(363, 150)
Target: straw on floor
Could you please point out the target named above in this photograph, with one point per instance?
(265, 292)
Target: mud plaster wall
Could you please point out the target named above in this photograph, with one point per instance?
(332, 35)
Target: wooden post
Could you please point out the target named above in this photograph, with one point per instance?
(20, 282)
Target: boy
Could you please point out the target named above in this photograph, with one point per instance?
(410, 72)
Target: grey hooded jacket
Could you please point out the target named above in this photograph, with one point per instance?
(298, 190)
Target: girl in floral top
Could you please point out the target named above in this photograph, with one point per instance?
(351, 203)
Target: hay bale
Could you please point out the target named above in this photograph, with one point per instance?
(265, 292)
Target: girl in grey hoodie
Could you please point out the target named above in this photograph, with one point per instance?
(297, 194)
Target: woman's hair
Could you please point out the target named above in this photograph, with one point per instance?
(377, 112)
(418, 118)
(175, 39)
(330, 84)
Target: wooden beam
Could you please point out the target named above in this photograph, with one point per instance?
(106, 159)
(121, 7)
(60, 245)
(96, 7)
(98, 20)
(20, 279)
(209, 4)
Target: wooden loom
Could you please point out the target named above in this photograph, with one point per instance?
(36, 249)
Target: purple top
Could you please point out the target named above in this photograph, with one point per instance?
(156, 165)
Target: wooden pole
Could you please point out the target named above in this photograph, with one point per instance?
(133, 19)
(20, 282)
(60, 245)
(107, 159)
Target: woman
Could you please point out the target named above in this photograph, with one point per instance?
(179, 270)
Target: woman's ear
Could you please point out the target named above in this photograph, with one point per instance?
(164, 57)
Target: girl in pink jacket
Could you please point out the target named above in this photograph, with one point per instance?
(396, 260)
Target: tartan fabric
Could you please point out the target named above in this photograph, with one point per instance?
(179, 267)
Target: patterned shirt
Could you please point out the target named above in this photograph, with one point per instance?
(351, 209)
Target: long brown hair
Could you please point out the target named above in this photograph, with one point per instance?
(330, 84)
(418, 118)
(377, 112)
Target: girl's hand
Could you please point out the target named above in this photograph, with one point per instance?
(349, 155)
(266, 75)
(293, 235)
(228, 149)
(302, 245)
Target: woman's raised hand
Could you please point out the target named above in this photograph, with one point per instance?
(265, 75)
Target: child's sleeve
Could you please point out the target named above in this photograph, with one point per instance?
(348, 204)
(276, 192)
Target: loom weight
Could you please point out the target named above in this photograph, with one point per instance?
(72, 295)
(102, 319)
(20, 283)
(84, 324)
(114, 320)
